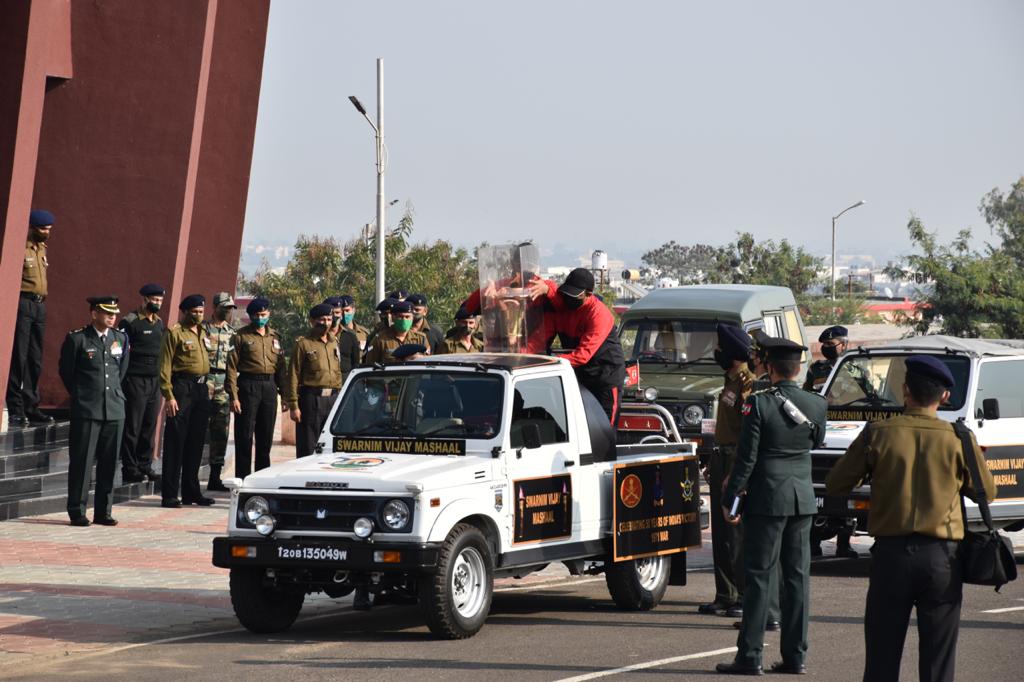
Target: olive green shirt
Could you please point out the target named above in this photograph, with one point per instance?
(33, 271)
(453, 344)
(361, 332)
(917, 469)
(386, 341)
(315, 363)
(183, 352)
(728, 418)
(255, 353)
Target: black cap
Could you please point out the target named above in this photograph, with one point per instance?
(401, 307)
(387, 305)
(399, 294)
(107, 304)
(192, 301)
(778, 348)
(930, 367)
(576, 282)
(257, 305)
(416, 299)
(320, 310)
(836, 332)
(152, 290)
(345, 301)
(463, 314)
(733, 341)
(407, 350)
(334, 301)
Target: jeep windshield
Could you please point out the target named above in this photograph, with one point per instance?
(870, 381)
(668, 341)
(421, 405)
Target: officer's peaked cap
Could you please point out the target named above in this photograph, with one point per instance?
(107, 304)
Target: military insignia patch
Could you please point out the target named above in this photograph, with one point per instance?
(631, 490)
(746, 409)
(687, 486)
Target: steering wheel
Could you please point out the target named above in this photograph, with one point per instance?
(652, 355)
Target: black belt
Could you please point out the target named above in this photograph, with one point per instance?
(181, 376)
(316, 391)
(33, 297)
(245, 376)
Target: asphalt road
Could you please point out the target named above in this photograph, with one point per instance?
(566, 628)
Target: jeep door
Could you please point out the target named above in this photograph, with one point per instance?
(1002, 380)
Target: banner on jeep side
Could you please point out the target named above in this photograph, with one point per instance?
(543, 508)
(657, 508)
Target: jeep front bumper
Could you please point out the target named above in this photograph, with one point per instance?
(316, 553)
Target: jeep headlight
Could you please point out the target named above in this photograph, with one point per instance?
(650, 394)
(255, 507)
(265, 524)
(395, 514)
(693, 414)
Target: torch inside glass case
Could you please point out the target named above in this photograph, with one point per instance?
(508, 315)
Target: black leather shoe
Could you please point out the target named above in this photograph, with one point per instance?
(80, 521)
(35, 416)
(105, 521)
(152, 475)
(735, 668)
(770, 626)
(133, 477)
(816, 550)
(789, 668)
(216, 487)
(735, 611)
(17, 421)
(847, 553)
(170, 504)
(713, 609)
(202, 501)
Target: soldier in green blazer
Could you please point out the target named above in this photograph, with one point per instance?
(773, 468)
(93, 361)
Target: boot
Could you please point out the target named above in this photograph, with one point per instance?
(214, 484)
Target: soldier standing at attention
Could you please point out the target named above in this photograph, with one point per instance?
(29, 327)
(918, 472)
(343, 314)
(93, 361)
(220, 333)
(145, 331)
(384, 310)
(420, 324)
(314, 377)
(773, 466)
(390, 338)
(255, 378)
(184, 364)
(461, 337)
(732, 354)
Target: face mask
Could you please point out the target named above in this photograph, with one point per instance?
(402, 325)
(346, 318)
(39, 236)
(417, 317)
(262, 322)
(196, 318)
(320, 328)
(830, 352)
(153, 307)
(573, 303)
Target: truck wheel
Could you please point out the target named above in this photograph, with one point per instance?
(260, 608)
(638, 585)
(457, 598)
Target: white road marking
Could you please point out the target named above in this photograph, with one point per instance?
(649, 664)
(1006, 610)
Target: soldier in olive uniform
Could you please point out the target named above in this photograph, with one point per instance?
(773, 466)
(732, 354)
(221, 334)
(93, 361)
(917, 522)
(390, 338)
(343, 314)
(461, 338)
(255, 379)
(184, 364)
(315, 375)
(145, 331)
(384, 310)
(420, 323)
(29, 327)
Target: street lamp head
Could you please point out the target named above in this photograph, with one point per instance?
(861, 202)
(357, 104)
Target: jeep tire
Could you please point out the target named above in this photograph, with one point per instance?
(261, 608)
(456, 600)
(640, 584)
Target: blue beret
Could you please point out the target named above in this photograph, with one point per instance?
(416, 299)
(407, 349)
(257, 305)
(463, 314)
(333, 301)
(930, 367)
(836, 332)
(192, 301)
(152, 290)
(320, 310)
(733, 341)
(40, 218)
(399, 294)
(387, 305)
(402, 307)
(345, 301)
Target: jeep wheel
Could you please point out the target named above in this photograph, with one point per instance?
(259, 607)
(457, 598)
(638, 585)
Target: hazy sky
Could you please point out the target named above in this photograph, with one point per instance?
(621, 125)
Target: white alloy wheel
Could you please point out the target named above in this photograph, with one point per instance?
(468, 577)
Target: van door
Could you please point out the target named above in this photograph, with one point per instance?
(1002, 439)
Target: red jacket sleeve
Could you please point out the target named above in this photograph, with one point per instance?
(472, 304)
(598, 323)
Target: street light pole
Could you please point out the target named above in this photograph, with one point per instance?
(378, 130)
(835, 218)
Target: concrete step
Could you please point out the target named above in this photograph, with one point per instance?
(34, 438)
(21, 463)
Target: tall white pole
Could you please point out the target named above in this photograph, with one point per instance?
(833, 287)
(381, 207)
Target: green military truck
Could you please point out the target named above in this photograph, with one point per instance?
(670, 334)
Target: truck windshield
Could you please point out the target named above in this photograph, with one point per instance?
(669, 341)
(876, 381)
(420, 405)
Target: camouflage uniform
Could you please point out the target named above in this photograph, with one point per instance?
(221, 343)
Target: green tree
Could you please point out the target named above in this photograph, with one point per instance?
(688, 264)
(1005, 215)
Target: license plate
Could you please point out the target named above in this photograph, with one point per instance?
(311, 553)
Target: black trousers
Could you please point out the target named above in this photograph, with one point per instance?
(142, 408)
(314, 408)
(256, 422)
(907, 572)
(726, 539)
(184, 437)
(26, 357)
(610, 396)
(92, 441)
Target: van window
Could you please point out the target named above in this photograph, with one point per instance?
(792, 323)
(540, 402)
(669, 341)
(1002, 381)
(773, 324)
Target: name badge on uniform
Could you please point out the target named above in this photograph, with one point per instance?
(116, 350)
(189, 345)
(277, 345)
(30, 259)
(147, 331)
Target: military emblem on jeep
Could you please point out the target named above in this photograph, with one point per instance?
(687, 486)
(357, 462)
(631, 490)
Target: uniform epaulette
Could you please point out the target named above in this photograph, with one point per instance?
(75, 331)
(763, 391)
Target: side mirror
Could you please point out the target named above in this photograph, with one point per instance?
(531, 436)
(990, 408)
